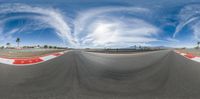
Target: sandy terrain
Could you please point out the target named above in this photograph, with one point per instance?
(26, 53)
(192, 51)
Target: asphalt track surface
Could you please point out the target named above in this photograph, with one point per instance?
(82, 75)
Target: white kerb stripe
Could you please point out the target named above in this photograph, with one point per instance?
(45, 58)
(6, 61)
(196, 59)
(183, 54)
(61, 53)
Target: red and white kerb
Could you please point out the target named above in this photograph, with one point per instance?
(189, 56)
(29, 61)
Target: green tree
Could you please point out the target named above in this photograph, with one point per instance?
(50, 47)
(45, 46)
(18, 41)
(198, 43)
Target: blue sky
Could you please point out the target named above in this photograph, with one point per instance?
(100, 23)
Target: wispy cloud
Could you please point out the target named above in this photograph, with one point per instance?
(169, 39)
(85, 17)
(98, 27)
(189, 16)
(7, 37)
(51, 17)
(196, 31)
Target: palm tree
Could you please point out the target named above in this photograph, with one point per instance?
(18, 41)
(7, 44)
(135, 46)
(198, 43)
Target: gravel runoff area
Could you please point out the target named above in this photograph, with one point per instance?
(26, 53)
(192, 51)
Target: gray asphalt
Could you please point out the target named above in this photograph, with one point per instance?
(83, 75)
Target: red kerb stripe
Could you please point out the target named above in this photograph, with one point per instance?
(190, 56)
(27, 61)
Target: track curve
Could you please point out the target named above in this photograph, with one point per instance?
(83, 75)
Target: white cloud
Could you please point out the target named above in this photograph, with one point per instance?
(189, 16)
(98, 28)
(85, 17)
(7, 37)
(51, 17)
(169, 39)
(196, 31)
(103, 33)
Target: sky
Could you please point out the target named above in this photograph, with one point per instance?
(100, 23)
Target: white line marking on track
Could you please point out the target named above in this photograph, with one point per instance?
(183, 54)
(45, 58)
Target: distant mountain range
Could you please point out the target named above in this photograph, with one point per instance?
(152, 47)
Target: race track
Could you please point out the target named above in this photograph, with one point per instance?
(83, 75)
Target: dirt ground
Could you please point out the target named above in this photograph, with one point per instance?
(26, 53)
(192, 51)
